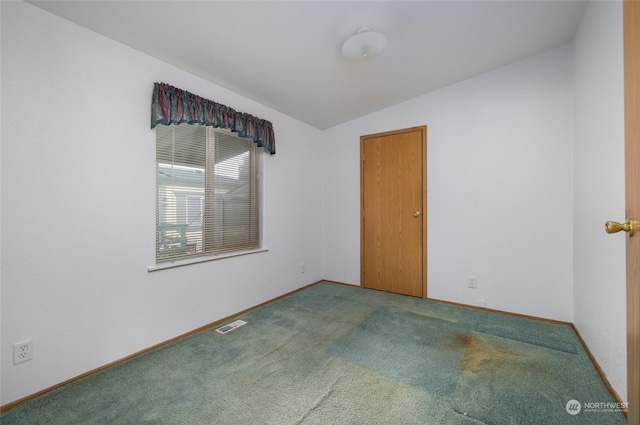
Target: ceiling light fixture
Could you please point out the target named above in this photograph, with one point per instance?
(364, 44)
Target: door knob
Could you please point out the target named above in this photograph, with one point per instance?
(615, 227)
(416, 214)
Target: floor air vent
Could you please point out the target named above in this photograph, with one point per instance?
(231, 326)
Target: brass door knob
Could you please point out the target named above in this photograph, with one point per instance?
(416, 214)
(615, 227)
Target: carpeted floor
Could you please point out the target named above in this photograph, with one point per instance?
(333, 354)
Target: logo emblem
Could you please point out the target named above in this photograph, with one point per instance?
(573, 407)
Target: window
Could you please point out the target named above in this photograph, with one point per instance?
(208, 192)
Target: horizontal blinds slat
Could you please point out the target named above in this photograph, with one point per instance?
(208, 192)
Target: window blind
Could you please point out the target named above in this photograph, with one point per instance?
(208, 192)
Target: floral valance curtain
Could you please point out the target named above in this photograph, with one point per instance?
(170, 105)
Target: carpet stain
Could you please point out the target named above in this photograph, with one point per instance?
(505, 381)
(459, 341)
(482, 355)
(503, 363)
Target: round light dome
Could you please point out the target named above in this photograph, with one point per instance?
(364, 44)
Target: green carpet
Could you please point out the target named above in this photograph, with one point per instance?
(418, 350)
(339, 355)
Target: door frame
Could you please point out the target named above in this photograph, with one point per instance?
(423, 130)
(632, 171)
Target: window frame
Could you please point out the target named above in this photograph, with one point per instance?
(256, 177)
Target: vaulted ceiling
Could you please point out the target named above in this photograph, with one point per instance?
(287, 54)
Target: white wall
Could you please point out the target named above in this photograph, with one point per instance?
(500, 169)
(599, 259)
(78, 206)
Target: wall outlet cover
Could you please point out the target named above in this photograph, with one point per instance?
(22, 351)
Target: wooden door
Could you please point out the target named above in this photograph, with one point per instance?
(394, 205)
(632, 171)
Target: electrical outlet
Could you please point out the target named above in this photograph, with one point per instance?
(472, 282)
(302, 268)
(482, 303)
(22, 351)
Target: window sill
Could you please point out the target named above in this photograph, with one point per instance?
(188, 261)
